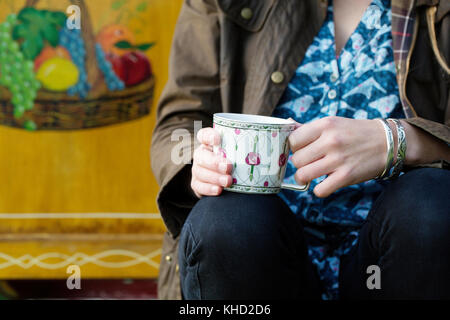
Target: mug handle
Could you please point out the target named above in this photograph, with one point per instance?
(295, 187)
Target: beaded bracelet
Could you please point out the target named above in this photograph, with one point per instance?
(401, 149)
(390, 148)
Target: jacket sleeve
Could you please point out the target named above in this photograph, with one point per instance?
(192, 93)
(442, 48)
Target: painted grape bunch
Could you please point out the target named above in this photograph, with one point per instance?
(112, 80)
(72, 41)
(16, 72)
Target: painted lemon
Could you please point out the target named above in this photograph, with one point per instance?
(48, 53)
(57, 74)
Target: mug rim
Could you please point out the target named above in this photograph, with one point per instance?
(251, 121)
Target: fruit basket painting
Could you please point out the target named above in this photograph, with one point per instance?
(53, 77)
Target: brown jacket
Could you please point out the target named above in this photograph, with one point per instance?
(224, 58)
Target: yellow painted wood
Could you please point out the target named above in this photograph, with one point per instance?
(105, 169)
(82, 223)
(49, 259)
(98, 170)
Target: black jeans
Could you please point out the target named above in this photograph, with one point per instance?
(240, 246)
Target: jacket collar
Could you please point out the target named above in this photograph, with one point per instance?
(426, 2)
(417, 3)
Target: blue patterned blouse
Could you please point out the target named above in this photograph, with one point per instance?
(360, 84)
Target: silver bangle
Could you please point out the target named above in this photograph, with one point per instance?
(390, 148)
(401, 149)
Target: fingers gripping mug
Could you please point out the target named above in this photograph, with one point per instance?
(258, 149)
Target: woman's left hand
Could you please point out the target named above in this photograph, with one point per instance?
(349, 151)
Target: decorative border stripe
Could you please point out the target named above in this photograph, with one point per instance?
(253, 126)
(252, 189)
(27, 261)
(144, 216)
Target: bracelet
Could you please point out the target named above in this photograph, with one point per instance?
(390, 148)
(401, 149)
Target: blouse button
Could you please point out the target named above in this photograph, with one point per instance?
(277, 77)
(168, 258)
(333, 77)
(247, 13)
(332, 94)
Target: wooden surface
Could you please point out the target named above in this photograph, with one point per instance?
(105, 170)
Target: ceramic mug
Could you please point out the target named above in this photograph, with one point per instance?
(258, 148)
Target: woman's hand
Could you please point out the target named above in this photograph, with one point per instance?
(210, 172)
(349, 151)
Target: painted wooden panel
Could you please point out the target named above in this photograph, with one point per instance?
(103, 170)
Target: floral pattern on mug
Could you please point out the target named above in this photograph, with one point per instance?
(254, 150)
(222, 152)
(253, 159)
(282, 160)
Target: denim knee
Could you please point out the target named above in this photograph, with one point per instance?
(414, 209)
(235, 221)
(245, 241)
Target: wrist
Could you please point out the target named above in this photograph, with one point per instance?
(414, 150)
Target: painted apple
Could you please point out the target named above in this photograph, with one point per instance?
(117, 64)
(136, 68)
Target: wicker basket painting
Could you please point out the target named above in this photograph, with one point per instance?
(53, 77)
